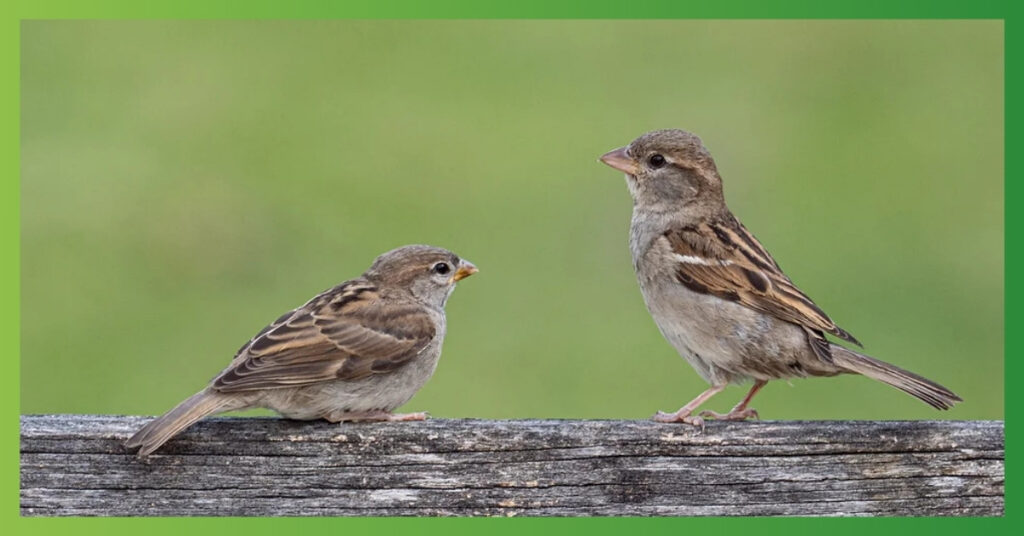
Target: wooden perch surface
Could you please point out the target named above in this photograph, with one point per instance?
(75, 465)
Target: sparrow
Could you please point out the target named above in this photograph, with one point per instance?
(716, 293)
(354, 352)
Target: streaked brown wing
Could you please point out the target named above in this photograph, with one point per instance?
(345, 333)
(722, 258)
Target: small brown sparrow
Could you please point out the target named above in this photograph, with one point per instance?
(354, 352)
(716, 293)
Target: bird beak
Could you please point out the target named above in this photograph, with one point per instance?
(465, 270)
(620, 161)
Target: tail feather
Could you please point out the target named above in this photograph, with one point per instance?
(163, 428)
(926, 390)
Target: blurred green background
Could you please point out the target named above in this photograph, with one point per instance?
(184, 183)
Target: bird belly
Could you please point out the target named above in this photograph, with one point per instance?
(383, 392)
(724, 341)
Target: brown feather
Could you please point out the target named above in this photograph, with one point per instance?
(161, 429)
(736, 267)
(924, 389)
(343, 333)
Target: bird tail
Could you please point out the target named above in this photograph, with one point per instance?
(928, 391)
(161, 429)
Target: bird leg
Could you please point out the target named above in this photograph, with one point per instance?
(685, 413)
(373, 416)
(740, 411)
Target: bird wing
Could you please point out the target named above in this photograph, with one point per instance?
(345, 333)
(724, 259)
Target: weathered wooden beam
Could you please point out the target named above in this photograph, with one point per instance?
(75, 465)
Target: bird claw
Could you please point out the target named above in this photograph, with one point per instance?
(418, 416)
(740, 415)
(375, 416)
(694, 420)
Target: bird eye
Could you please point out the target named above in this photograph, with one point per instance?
(656, 161)
(441, 268)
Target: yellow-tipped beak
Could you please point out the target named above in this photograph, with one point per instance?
(465, 270)
(620, 161)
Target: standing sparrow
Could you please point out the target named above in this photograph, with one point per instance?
(717, 295)
(354, 352)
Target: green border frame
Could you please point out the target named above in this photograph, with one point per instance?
(13, 12)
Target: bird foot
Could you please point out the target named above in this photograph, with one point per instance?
(734, 415)
(374, 416)
(682, 417)
(418, 416)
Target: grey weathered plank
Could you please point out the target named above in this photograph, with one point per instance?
(75, 465)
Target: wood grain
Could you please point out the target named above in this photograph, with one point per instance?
(75, 465)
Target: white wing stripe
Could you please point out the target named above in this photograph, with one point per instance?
(691, 259)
